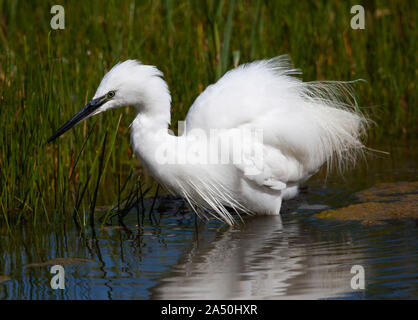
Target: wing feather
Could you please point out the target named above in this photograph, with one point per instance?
(304, 124)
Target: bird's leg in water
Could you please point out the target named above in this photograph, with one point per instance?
(278, 206)
(290, 192)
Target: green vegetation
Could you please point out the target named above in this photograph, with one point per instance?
(48, 75)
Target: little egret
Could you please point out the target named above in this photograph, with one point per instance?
(300, 125)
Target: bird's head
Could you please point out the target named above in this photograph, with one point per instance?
(127, 83)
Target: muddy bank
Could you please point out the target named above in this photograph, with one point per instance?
(60, 261)
(381, 202)
(4, 278)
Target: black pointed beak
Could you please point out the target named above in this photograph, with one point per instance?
(84, 113)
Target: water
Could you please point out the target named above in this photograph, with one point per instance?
(293, 256)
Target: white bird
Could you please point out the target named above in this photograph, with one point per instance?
(302, 125)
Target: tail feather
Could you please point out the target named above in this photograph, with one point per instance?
(341, 124)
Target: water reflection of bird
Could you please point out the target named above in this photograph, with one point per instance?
(262, 259)
(295, 127)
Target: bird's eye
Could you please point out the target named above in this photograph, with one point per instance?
(110, 94)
